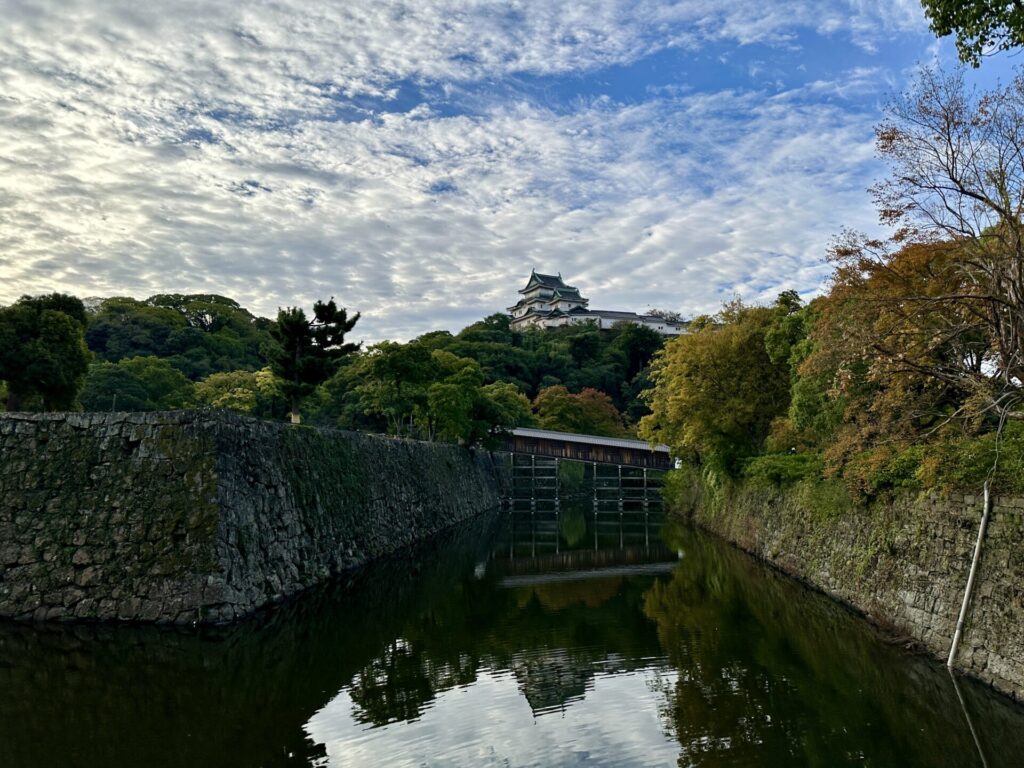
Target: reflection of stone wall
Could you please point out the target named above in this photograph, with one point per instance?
(904, 564)
(205, 516)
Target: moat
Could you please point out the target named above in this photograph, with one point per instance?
(548, 635)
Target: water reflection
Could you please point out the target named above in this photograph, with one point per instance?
(546, 636)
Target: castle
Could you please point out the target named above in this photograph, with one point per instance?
(547, 302)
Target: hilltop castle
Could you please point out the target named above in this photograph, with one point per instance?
(547, 302)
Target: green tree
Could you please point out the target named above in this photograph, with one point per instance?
(251, 392)
(136, 384)
(43, 356)
(395, 381)
(305, 353)
(981, 26)
(638, 345)
(717, 389)
(199, 333)
(452, 402)
(505, 407)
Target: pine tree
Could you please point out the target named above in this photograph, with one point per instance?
(306, 353)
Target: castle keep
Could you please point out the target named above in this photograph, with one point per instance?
(547, 302)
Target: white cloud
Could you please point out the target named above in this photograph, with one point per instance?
(248, 150)
(490, 723)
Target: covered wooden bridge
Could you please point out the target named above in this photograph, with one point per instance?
(590, 448)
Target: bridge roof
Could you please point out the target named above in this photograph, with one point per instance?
(572, 437)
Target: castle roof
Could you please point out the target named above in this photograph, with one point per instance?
(553, 282)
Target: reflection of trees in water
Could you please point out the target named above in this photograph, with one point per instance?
(397, 684)
(771, 674)
(572, 523)
(746, 644)
(123, 696)
(554, 637)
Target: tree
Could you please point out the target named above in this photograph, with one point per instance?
(305, 353)
(199, 333)
(452, 401)
(43, 355)
(395, 382)
(234, 390)
(670, 315)
(957, 177)
(638, 345)
(590, 412)
(717, 389)
(981, 26)
(136, 384)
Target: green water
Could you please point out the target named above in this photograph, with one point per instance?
(522, 640)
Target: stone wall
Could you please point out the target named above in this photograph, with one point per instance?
(204, 516)
(903, 563)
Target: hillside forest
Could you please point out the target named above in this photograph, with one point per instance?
(177, 351)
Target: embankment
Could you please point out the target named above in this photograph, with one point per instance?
(904, 563)
(204, 516)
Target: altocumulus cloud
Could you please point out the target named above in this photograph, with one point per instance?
(416, 159)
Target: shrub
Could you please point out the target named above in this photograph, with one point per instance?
(783, 469)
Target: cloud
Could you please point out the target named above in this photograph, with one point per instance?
(385, 153)
(616, 723)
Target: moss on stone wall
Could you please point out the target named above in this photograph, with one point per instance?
(205, 516)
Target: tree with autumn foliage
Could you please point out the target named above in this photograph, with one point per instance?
(589, 412)
(948, 286)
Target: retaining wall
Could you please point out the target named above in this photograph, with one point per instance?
(904, 563)
(205, 516)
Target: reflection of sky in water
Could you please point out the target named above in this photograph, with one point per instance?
(491, 723)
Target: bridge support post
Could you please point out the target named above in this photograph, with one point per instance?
(533, 483)
(558, 488)
(645, 492)
(620, 490)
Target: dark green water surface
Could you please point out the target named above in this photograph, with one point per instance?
(522, 640)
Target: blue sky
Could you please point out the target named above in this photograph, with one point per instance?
(416, 160)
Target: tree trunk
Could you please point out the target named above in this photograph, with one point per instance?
(296, 416)
(13, 400)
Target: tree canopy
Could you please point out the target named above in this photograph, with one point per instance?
(589, 412)
(909, 370)
(136, 384)
(980, 26)
(199, 334)
(43, 356)
(718, 389)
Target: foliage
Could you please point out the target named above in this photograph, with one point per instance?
(613, 361)
(981, 26)
(717, 389)
(251, 392)
(968, 462)
(462, 409)
(590, 412)
(681, 489)
(783, 469)
(136, 384)
(43, 356)
(305, 353)
(199, 334)
(957, 161)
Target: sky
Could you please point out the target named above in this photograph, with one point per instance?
(416, 160)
